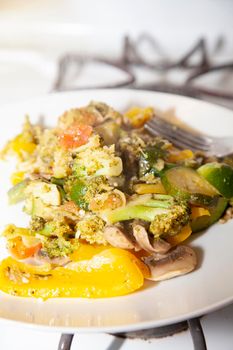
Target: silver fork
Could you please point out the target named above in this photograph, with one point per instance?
(182, 138)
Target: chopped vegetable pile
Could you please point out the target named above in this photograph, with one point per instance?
(109, 205)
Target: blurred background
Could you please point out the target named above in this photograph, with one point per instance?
(181, 46)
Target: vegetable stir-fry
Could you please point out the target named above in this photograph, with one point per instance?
(109, 205)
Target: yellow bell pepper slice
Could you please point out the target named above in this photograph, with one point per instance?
(17, 177)
(86, 251)
(180, 237)
(199, 211)
(157, 188)
(179, 156)
(113, 272)
(137, 116)
(19, 144)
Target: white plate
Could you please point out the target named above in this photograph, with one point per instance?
(204, 290)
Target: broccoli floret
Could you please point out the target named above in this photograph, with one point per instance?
(57, 228)
(96, 162)
(142, 155)
(171, 222)
(96, 186)
(91, 229)
(58, 247)
(152, 159)
(37, 223)
(166, 215)
(77, 193)
(82, 191)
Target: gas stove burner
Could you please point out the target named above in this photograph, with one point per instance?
(193, 325)
(158, 332)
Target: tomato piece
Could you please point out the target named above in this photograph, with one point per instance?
(76, 135)
(20, 251)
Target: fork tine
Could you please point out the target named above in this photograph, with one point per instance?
(178, 135)
(171, 128)
(185, 142)
(177, 142)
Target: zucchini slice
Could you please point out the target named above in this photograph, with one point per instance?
(216, 210)
(220, 176)
(184, 182)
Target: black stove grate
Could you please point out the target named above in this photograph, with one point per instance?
(133, 57)
(194, 326)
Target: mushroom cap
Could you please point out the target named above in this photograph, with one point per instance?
(176, 262)
(59, 261)
(119, 238)
(142, 237)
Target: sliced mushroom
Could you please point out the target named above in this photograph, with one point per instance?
(157, 246)
(160, 246)
(178, 261)
(117, 237)
(59, 261)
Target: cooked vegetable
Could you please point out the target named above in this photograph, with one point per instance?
(145, 241)
(183, 182)
(167, 216)
(95, 186)
(137, 116)
(196, 212)
(220, 176)
(76, 135)
(96, 162)
(178, 261)
(20, 251)
(77, 193)
(17, 177)
(86, 251)
(132, 212)
(58, 247)
(119, 238)
(37, 223)
(178, 156)
(152, 159)
(157, 188)
(91, 229)
(36, 207)
(86, 278)
(185, 232)
(17, 193)
(170, 223)
(12, 231)
(109, 131)
(24, 144)
(48, 193)
(55, 228)
(108, 200)
(215, 211)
